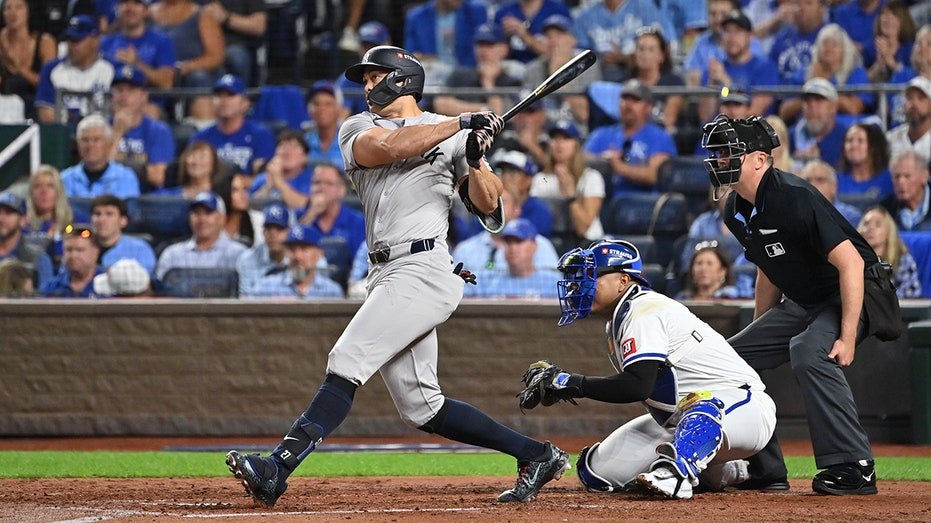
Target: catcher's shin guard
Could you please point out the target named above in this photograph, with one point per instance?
(699, 435)
(591, 481)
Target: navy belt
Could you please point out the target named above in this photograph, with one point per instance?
(396, 251)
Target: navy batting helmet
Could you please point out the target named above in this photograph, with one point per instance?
(728, 139)
(406, 76)
(581, 269)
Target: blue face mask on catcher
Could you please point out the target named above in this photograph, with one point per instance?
(577, 288)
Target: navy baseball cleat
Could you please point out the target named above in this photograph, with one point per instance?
(258, 475)
(847, 479)
(532, 475)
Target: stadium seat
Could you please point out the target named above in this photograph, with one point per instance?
(656, 275)
(644, 243)
(859, 200)
(919, 245)
(201, 283)
(281, 105)
(338, 258)
(163, 217)
(563, 235)
(607, 174)
(686, 175)
(661, 215)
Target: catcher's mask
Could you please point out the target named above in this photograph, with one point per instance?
(406, 76)
(581, 269)
(728, 140)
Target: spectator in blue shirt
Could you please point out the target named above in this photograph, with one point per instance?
(523, 25)
(370, 34)
(198, 170)
(708, 44)
(12, 223)
(140, 46)
(522, 278)
(238, 140)
(96, 174)
(857, 18)
(516, 170)
(635, 148)
(325, 106)
(209, 247)
(609, 28)
(302, 279)
(270, 256)
(442, 30)
(288, 174)
(740, 66)
(139, 139)
(686, 17)
(108, 219)
(820, 133)
(79, 266)
(791, 50)
(864, 166)
(824, 178)
(892, 40)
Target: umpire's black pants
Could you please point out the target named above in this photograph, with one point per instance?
(804, 337)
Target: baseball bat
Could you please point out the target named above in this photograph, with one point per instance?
(564, 75)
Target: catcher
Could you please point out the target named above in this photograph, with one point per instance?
(706, 407)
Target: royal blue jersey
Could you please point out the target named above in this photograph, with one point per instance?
(602, 30)
(153, 48)
(519, 50)
(791, 52)
(637, 149)
(252, 141)
(148, 142)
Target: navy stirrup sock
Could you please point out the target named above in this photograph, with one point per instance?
(328, 409)
(462, 422)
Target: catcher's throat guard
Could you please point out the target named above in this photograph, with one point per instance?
(727, 140)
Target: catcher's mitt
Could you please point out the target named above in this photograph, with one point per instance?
(544, 383)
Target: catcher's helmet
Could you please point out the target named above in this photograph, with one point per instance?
(406, 76)
(728, 139)
(581, 269)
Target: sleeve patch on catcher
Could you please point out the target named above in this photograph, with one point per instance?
(628, 347)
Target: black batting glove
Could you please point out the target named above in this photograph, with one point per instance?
(477, 144)
(485, 120)
(466, 276)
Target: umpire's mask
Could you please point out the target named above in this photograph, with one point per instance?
(728, 140)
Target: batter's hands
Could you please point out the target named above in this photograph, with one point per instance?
(466, 276)
(842, 353)
(477, 144)
(485, 120)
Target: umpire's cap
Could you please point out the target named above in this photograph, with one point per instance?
(406, 77)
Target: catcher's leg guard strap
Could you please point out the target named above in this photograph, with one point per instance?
(591, 481)
(698, 438)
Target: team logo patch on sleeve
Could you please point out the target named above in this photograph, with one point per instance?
(628, 347)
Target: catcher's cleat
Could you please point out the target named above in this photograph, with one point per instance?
(532, 475)
(258, 475)
(665, 482)
(848, 479)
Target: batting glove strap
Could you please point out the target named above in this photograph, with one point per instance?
(486, 120)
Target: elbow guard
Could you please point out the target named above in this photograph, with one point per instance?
(492, 222)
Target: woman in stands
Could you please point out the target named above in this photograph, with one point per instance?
(891, 48)
(835, 57)
(242, 223)
(864, 163)
(879, 230)
(652, 65)
(709, 275)
(48, 210)
(22, 53)
(198, 169)
(782, 157)
(565, 175)
(198, 40)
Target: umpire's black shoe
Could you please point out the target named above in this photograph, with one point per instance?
(765, 484)
(532, 475)
(258, 475)
(847, 479)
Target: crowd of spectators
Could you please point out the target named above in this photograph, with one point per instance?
(204, 180)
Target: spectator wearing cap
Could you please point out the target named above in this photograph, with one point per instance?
(915, 133)
(124, 279)
(270, 256)
(820, 132)
(209, 247)
(824, 178)
(740, 66)
(909, 206)
(559, 48)
(325, 107)
(96, 174)
(303, 278)
(108, 219)
(327, 213)
(522, 278)
(137, 45)
(791, 51)
(79, 266)
(198, 39)
(708, 45)
(239, 140)
(566, 176)
(636, 147)
(370, 35)
(609, 28)
(288, 174)
(244, 23)
(82, 75)
(138, 139)
(488, 73)
(442, 30)
(12, 244)
(918, 65)
(20, 70)
(652, 65)
(522, 23)
(517, 170)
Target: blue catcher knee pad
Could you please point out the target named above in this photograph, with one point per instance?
(591, 481)
(699, 435)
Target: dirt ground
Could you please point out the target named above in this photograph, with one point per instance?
(433, 499)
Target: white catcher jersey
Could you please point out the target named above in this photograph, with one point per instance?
(647, 325)
(410, 199)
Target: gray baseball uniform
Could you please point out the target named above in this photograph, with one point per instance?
(394, 331)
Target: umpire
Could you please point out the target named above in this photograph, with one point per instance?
(807, 252)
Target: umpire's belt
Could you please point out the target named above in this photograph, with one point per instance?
(396, 251)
